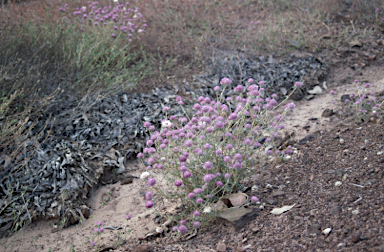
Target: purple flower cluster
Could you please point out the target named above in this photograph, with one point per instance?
(119, 18)
(206, 154)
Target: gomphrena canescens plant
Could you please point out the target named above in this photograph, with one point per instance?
(204, 158)
(363, 104)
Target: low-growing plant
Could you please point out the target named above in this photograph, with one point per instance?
(362, 105)
(206, 157)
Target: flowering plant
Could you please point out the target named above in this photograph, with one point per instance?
(363, 104)
(120, 19)
(204, 158)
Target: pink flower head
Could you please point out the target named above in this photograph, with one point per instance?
(250, 80)
(332, 92)
(237, 165)
(239, 88)
(208, 178)
(290, 105)
(182, 229)
(261, 83)
(216, 88)
(232, 116)
(191, 195)
(207, 165)
(207, 146)
(151, 182)
(178, 183)
(254, 199)
(225, 81)
(166, 108)
(237, 156)
(219, 183)
(199, 200)
(196, 213)
(149, 204)
(219, 124)
(219, 152)
(229, 146)
(187, 174)
(151, 160)
(356, 81)
(247, 141)
(149, 143)
(197, 224)
(227, 175)
(140, 155)
(298, 84)
(227, 159)
(128, 217)
(197, 190)
(147, 124)
(188, 143)
(183, 168)
(182, 158)
(148, 195)
(99, 223)
(367, 85)
(210, 129)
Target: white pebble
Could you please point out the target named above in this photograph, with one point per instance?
(338, 183)
(327, 231)
(341, 140)
(254, 188)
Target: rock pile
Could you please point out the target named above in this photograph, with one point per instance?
(279, 77)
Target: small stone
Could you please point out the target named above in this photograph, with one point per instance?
(309, 97)
(355, 212)
(341, 141)
(143, 248)
(356, 237)
(327, 113)
(240, 249)
(327, 231)
(255, 229)
(356, 44)
(238, 217)
(315, 90)
(221, 247)
(345, 97)
(277, 193)
(307, 138)
(338, 183)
